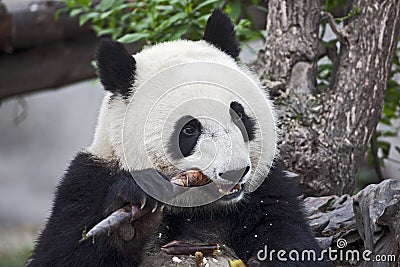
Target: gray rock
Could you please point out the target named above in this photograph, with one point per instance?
(369, 220)
(377, 211)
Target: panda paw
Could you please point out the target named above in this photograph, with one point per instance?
(125, 192)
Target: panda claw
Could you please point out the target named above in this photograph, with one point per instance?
(142, 203)
(162, 207)
(154, 208)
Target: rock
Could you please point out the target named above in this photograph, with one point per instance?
(369, 220)
(377, 211)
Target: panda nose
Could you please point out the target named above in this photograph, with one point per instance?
(235, 175)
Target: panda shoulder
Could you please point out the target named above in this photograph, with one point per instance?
(280, 183)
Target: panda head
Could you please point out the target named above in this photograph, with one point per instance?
(187, 104)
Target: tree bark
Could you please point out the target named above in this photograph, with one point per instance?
(27, 24)
(37, 52)
(47, 66)
(325, 132)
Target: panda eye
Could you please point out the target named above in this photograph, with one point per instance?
(189, 131)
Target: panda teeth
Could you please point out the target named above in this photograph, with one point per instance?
(235, 189)
(231, 192)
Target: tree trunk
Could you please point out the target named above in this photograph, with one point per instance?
(325, 132)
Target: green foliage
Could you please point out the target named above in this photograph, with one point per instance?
(354, 11)
(329, 5)
(154, 21)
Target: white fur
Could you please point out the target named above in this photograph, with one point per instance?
(120, 135)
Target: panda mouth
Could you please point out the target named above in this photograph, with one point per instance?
(228, 189)
(194, 178)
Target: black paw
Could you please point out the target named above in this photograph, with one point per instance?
(125, 191)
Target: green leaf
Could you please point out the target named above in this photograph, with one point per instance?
(181, 30)
(105, 5)
(203, 19)
(263, 34)
(117, 33)
(204, 4)
(244, 23)
(388, 111)
(96, 28)
(385, 148)
(389, 133)
(178, 5)
(94, 65)
(329, 5)
(88, 16)
(59, 12)
(164, 8)
(236, 9)
(247, 34)
(107, 14)
(397, 149)
(386, 121)
(176, 17)
(102, 32)
(83, 2)
(74, 12)
(133, 37)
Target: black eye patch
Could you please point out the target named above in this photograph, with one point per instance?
(186, 133)
(241, 119)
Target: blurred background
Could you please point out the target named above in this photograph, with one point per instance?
(34, 152)
(49, 99)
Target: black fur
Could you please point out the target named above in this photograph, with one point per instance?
(248, 123)
(116, 67)
(220, 32)
(89, 192)
(92, 189)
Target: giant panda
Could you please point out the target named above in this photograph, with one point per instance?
(145, 135)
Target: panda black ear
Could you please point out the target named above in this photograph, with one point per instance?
(116, 67)
(220, 33)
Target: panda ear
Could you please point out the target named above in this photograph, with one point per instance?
(116, 67)
(220, 33)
